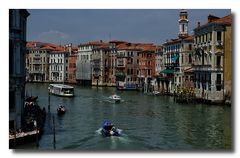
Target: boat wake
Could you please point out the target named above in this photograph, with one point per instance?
(114, 140)
(99, 132)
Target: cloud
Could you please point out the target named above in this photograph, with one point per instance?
(53, 35)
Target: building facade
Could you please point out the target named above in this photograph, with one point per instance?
(17, 73)
(58, 66)
(147, 66)
(177, 54)
(159, 67)
(37, 60)
(212, 65)
(72, 66)
(83, 63)
(127, 61)
(103, 65)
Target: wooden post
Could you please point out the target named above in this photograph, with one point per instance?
(15, 132)
(97, 83)
(48, 101)
(54, 137)
(37, 142)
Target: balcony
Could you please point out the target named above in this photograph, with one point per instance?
(120, 66)
(121, 63)
(202, 67)
(96, 65)
(204, 45)
(37, 62)
(120, 56)
(36, 72)
(219, 43)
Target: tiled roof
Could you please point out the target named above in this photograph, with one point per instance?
(227, 20)
(92, 43)
(172, 41)
(46, 46)
(188, 38)
(103, 46)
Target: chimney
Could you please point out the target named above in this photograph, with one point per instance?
(198, 24)
(212, 18)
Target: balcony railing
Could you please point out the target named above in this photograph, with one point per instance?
(219, 43)
(36, 71)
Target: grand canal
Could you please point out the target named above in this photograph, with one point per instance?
(147, 122)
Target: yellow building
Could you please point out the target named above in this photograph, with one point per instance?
(212, 64)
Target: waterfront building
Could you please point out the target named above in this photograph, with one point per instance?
(213, 54)
(127, 61)
(72, 65)
(58, 65)
(147, 67)
(17, 73)
(103, 65)
(37, 60)
(159, 66)
(178, 58)
(83, 63)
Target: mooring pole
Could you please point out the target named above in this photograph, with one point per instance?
(54, 137)
(15, 133)
(37, 142)
(48, 101)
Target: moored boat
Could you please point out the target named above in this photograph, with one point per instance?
(156, 92)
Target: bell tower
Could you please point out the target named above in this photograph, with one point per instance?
(183, 24)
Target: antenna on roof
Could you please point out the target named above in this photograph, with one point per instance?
(110, 36)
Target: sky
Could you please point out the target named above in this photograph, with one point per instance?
(63, 26)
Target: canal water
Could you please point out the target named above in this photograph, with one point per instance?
(147, 123)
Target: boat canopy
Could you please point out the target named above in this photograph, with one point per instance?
(61, 86)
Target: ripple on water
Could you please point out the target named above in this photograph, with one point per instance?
(148, 122)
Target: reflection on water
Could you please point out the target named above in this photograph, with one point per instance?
(147, 122)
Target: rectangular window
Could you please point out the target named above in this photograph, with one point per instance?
(218, 60)
(219, 36)
(190, 46)
(190, 58)
(218, 82)
(11, 99)
(11, 57)
(149, 72)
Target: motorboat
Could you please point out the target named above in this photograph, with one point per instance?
(61, 110)
(115, 98)
(108, 129)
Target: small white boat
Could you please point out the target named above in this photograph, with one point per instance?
(115, 98)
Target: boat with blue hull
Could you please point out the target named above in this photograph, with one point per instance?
(108, 129)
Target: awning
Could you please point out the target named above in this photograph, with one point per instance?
(167, 71)
(174, 58)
